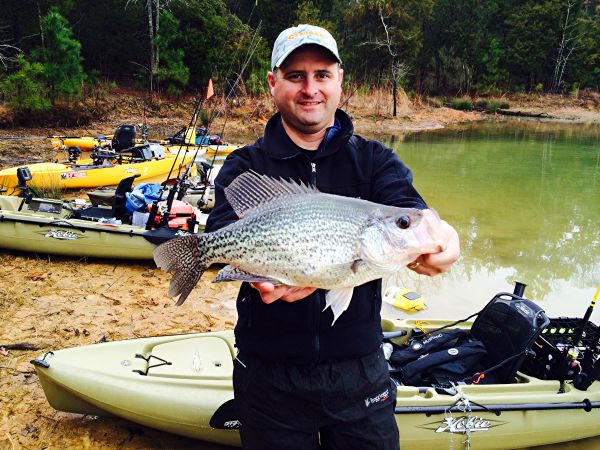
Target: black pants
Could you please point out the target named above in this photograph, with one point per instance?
(335, 405)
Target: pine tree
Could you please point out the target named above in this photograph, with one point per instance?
(60, 56)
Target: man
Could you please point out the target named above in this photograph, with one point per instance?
(299, 382)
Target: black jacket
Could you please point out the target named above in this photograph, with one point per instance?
(347, 165)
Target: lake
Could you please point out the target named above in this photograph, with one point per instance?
(524, 197)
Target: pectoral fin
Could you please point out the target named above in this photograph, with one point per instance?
(232, 273)
(338, 300)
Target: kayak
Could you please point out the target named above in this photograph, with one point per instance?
(182, 384)
(61, 228)
(87, 173)
(85, 143)
(199, 192)
(206, 151)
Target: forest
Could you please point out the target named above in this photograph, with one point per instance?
(58, 50)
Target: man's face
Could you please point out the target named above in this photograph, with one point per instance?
(307, 89)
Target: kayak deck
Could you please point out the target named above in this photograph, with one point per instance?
(176, 383)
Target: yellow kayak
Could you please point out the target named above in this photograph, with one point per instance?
(85, 143)
(206, 151)
(89, 173)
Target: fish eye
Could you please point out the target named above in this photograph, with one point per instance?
(403, 222)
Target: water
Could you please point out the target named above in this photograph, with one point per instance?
(525, 200)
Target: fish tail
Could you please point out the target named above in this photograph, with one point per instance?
(185, 256)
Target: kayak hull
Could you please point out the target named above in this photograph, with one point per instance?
(86, 175)
(182, 396)
(55, 233)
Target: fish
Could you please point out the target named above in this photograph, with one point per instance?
(292, 234)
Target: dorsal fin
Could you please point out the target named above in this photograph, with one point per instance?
(251, 190)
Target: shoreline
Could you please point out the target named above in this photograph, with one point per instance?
(56, 302)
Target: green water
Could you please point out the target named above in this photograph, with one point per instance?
(525, 200)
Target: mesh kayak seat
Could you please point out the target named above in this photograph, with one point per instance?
(492, 351)
(124, 137)
(117, 211)
(508, 326)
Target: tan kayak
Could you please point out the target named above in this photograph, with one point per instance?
(182, 384)
(52, 227)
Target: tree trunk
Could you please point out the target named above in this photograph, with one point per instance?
(395, 94)
(151, 36)
(40, 22)
(156, 34)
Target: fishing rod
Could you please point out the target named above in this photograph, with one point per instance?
(254, 42)
(570, 352)
(252, 47)
(154, 208)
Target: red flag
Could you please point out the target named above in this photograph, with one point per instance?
(209, 90)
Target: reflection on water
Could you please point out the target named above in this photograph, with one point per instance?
(525, 200)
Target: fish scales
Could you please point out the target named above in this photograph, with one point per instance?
(295, 235)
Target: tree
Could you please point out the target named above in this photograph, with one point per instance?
(459, 42)
(531, 36)
(60, 57)
(404, 22)
(173, 71)
(23, 90)
(585, 61)
(569, 41)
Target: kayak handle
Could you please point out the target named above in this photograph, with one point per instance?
(394, 334)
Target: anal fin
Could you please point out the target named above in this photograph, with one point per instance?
(232, 273)
(338, 300)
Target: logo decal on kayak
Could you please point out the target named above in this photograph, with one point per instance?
(63, 235)
(69, 175)
(462, 424)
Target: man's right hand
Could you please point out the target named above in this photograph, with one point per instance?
(270, 293)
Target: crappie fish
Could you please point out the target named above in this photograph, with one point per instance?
(292, 234)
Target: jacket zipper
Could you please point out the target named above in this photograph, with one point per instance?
(318, 326)
(318, 307)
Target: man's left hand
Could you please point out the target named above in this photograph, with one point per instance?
(436, 263)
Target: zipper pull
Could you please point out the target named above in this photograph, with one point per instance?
(313, 176)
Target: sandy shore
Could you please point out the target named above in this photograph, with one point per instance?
(52, 302)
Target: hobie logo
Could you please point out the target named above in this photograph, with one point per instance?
(464, 424)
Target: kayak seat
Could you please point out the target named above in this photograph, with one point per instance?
(508, 326)
(491, 352)
(124, 137)
(117, 211)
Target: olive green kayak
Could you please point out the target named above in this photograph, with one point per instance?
(182, 384)
(52, 227)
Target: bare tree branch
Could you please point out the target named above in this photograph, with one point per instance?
(6, 56)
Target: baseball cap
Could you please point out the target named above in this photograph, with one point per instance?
(294, 37)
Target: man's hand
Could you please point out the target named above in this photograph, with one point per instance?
(270, 293)
(449, 251)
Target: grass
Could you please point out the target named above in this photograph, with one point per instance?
(462, 104)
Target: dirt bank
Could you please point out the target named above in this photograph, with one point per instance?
(53, 302)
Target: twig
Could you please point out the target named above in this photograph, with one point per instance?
(12, 444)
(20, 346)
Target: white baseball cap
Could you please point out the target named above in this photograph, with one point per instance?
(292, 38)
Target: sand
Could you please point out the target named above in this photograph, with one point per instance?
(52, 302)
